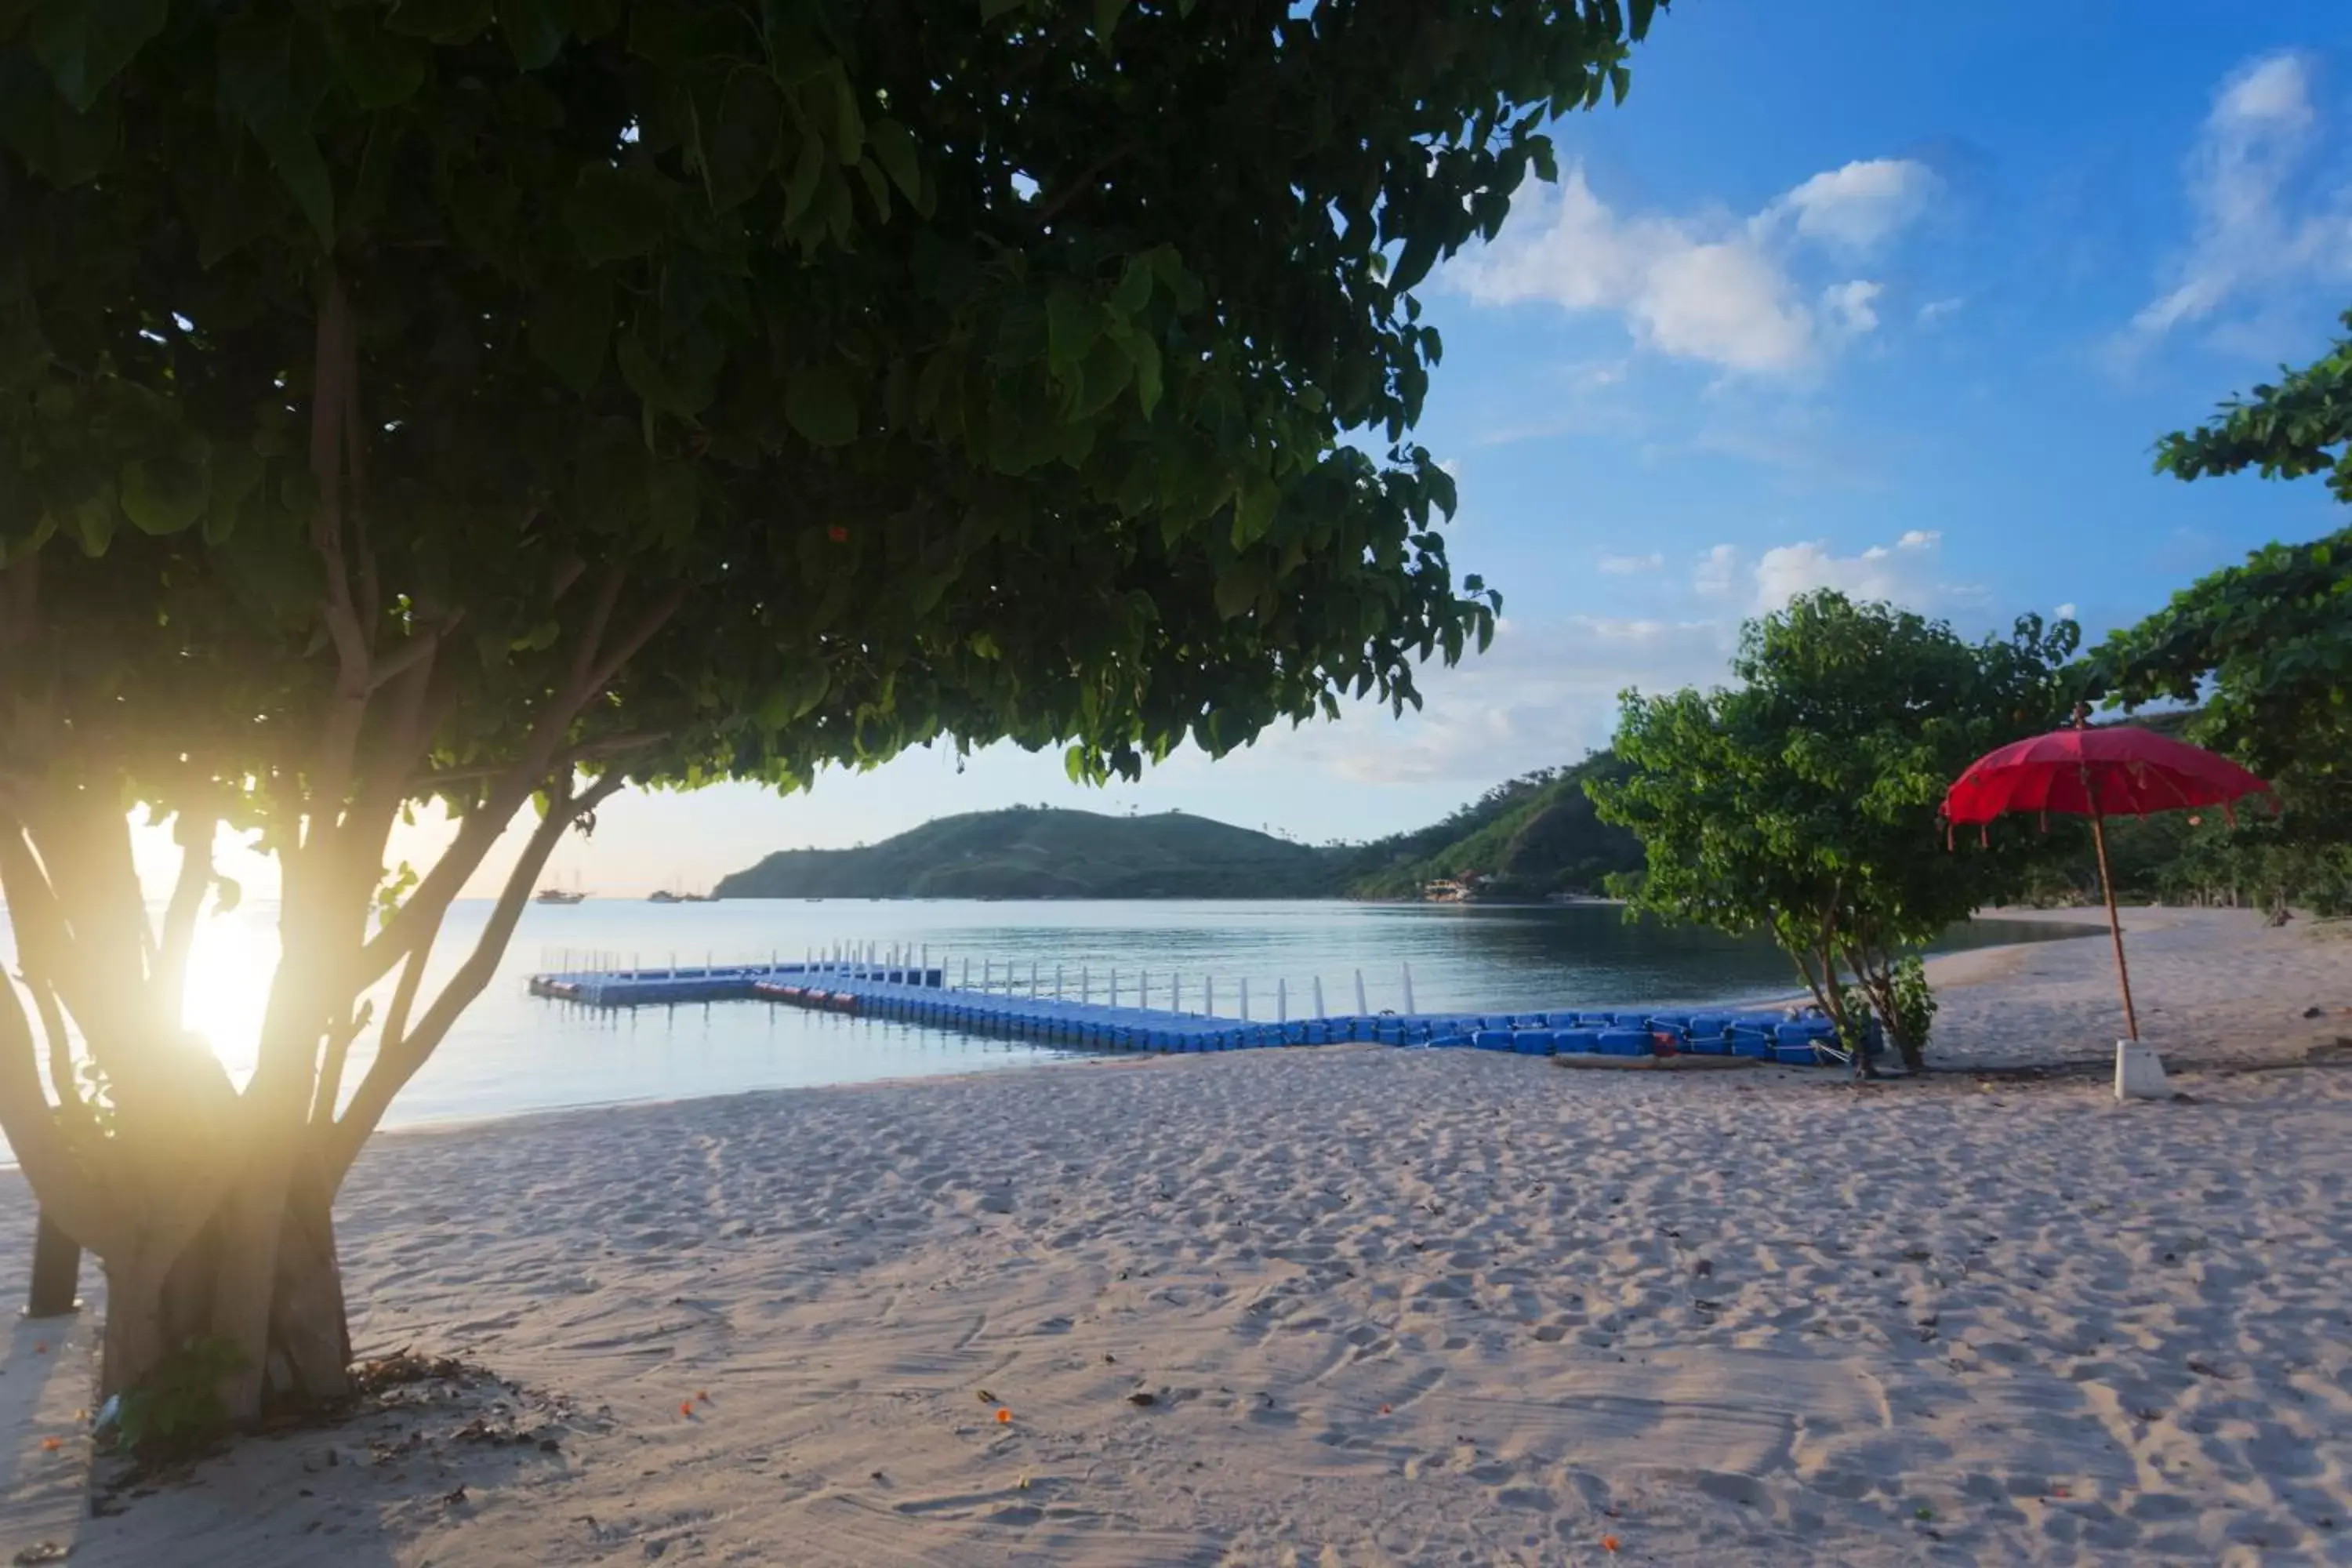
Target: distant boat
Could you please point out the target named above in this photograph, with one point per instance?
(663, 896)
(556, 893)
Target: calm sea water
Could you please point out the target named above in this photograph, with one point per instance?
(515, 1053)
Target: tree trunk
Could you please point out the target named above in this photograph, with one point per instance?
(205, 1298)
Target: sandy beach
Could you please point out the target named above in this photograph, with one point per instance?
(1354, 1305)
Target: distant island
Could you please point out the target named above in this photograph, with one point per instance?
(1532, 839)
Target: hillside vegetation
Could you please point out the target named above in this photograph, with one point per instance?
(1025, 853)
(1527, 838)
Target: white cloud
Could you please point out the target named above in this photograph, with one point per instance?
(1631, 565)
(1714, 578)
(1853, 306)
(1904, 572)
(1546, 690)
(1859, 207)
(1712, 289)
(2256, 225)
(1935, 311)
(2065, 612)
(1544, 694)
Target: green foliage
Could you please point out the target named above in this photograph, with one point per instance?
(2300, 426)
(1030, 854)
(1803, 801)
(416, 400)
(887, 336)
(1535, 836)
(177, 1410)
(2266, 645)
(1912, 1016)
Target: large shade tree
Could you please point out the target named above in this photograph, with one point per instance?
(1802, 801)
(2265, 646)
(497, 402)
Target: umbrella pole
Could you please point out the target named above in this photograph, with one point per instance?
(2115, 925)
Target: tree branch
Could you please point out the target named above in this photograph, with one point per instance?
(482, 826)
(633, 641)
(331, 391)
(20, 594)
(398, 1059)
(170, 970)
(73, 1112)
(417, 650)
(67, 1191)
(1052, 207)
(355, 453)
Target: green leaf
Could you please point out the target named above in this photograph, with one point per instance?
(1238, 587)
(894, 148)
(380, 70)
(849, 118)
(1414, 265)
(990, 10)
(166, 495)
(570, 324)
(294, 155)
(1641, 14)
(1107, 15)
(1134, 290)
(62, 146)
(796, 696)
(800, 186)
(1108, 369)
(85, 44)
(649, 380)
(1145, 351)
(1072, 323)
(673, 503)
(442, 21)
(614, 214)
(535, 31)
(741, 148)
(821, 405)
(539, 638)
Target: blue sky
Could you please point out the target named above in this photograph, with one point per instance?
(1894, 298)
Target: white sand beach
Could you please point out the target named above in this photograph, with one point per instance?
(1354, 1305)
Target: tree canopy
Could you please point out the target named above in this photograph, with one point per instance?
(1803, 800)
(499, 401)
(2265, 646)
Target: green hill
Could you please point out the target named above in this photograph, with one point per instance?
(1048, 853)
(1529, 838)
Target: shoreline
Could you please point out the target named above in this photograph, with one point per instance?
(491, 1118)
(1467, 1307)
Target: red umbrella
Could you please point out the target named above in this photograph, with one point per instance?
(2099, 773)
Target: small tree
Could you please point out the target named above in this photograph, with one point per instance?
(2267, 645)
(498, 402)
(1802, 802)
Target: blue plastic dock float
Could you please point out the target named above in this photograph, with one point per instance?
(920, 994)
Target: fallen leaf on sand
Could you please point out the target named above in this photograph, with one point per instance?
(1003, 1417)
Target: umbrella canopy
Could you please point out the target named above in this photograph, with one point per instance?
(2099, 773)
(2116, 772)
